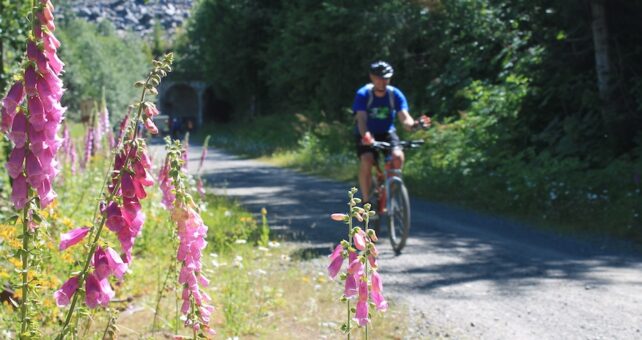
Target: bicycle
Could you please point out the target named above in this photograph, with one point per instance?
(390, 197)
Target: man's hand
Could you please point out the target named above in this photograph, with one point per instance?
(367, 139)
(423, 122)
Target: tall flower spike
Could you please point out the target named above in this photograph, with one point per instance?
(32, 128)
(120, 208)
(362, 281)
(192, 232)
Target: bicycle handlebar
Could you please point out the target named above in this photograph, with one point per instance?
(404, 144)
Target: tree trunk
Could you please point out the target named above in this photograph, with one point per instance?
(603, 71)
(601, 44)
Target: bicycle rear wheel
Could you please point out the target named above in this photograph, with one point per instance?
(398, 215)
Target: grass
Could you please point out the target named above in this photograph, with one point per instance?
(262, 293)
(259, 292)
(559, 195)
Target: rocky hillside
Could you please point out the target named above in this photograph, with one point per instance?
(135, 15)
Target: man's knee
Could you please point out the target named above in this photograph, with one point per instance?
(397, 157)
(367, 159)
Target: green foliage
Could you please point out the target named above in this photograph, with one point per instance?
(98, 58)
(511, 86)
(14, 28)
(227, 223)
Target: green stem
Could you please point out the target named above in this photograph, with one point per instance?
(192, 311)
(81, 279)
(25, 230)
(367, 220)
(160, 296)
(176, 315)
(108, 324)
(25, 269)
(94, 243)
(351, 205)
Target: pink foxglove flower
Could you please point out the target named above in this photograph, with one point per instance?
(118, 267)
(192, 232)
(107, 262)
(166, 186)
(350, 289)
(18, 134)
(359, 239)
(73, 157)
(64, 294)
(361, 316)
(361, 278)
(150, 110)
(336, 261)
(19, 193)
(97, 291)
(13, 99)
(41, 88)
(15, 165)
(150, 126)
(200, 188)
(73, 237)
(89, 147)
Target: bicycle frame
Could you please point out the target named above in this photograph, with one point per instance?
(389, 176)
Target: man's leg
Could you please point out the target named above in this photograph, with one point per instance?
(365, 174)
(398, 158)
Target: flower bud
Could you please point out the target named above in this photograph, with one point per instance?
(339, 217)
(372, 235)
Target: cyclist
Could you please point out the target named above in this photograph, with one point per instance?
(375, 106)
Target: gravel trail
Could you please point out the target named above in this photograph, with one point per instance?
(463, 275)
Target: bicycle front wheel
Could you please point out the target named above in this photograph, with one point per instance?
(398, 216)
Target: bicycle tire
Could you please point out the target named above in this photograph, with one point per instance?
(398, 216)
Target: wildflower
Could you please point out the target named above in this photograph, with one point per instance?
(15, 163)
(68, 289)
(361, 315)
(150, 126)
(107, 262)
(191, 235)
(362, 264)
(166, 186)
(97, 291)
(355, 266)
(350, 289)
(19, 193)
(359, 239)
(89, 147)
(150, 110)
(121, 211)
(73, 237)
(200, 188)
(336, 261)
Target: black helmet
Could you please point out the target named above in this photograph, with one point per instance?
(382, 69)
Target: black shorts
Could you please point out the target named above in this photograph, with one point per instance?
(390, 137)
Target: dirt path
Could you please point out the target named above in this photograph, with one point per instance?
(464, 275)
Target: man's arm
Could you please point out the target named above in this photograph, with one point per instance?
(406, 120)
(362, 122)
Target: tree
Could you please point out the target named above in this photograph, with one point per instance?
(13, 23)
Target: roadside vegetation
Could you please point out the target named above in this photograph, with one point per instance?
(525, 125)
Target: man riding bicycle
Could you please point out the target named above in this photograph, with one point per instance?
(375, 106)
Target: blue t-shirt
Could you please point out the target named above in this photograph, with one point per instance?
(381, 116)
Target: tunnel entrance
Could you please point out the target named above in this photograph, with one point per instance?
(181, 102)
